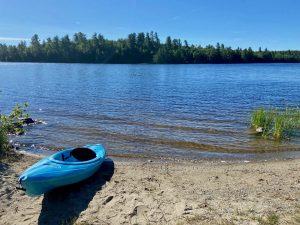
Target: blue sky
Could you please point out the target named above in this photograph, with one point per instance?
(274, 24)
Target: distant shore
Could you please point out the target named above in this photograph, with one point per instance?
(160, 192)
(136, 48)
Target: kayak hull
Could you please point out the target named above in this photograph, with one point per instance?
(52, 172)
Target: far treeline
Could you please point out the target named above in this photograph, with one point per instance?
(136, 48)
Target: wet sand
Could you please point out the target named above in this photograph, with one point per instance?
(161, 192)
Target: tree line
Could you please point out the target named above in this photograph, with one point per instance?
(136, 48)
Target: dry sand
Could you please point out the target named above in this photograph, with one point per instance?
(162, 192)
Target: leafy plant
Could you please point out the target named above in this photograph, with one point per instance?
(3, 143)
(11, 124)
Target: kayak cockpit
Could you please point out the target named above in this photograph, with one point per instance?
(76, 155)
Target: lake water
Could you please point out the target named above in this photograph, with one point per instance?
(185, 111)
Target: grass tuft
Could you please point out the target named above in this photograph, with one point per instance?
(271, 219)
(276, 124)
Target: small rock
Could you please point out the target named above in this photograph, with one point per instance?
(203, 205)
(20, 133)
(160, 193)
(108, 200)
(139, 210)
(17, 146)
(134, 212)
(27, 120)
(188, 208)
(149, 161)
(259, 130)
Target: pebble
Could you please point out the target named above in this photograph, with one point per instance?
(108, 200)
(259, 130)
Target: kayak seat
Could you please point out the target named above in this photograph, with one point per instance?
(83, 154)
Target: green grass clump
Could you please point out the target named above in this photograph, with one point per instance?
(277, 124)
(262, 118)
(271, 219)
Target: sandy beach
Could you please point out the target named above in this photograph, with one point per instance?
(160, 192)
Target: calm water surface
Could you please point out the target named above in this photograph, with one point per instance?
(188, 111)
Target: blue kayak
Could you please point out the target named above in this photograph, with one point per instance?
(63, 168)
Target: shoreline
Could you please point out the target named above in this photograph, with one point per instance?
(215, 156)
(160, 192)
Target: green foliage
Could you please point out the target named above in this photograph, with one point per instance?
(13, 123)
(136, 48)
(279, 124)
(261, 118)
(3, 143)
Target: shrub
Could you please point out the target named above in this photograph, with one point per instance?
(3, 143)
(11, 124)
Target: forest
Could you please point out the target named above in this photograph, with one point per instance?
(136, 48)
